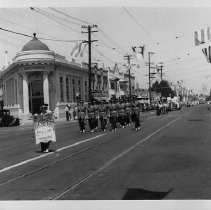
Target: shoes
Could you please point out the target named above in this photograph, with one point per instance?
(123, 126)
(136, 129)
(115, 129)
(46, 151)
(92, 131)
(83, 131)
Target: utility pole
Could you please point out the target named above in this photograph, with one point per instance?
(161, 72)
(89, 31)
(128, 57)
(160, 68)
(150, 75)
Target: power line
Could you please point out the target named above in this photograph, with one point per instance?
(25, 27)
(68, 21)
(15, 32)
(59, 40)
(65, 14)
(109, 39)
(111, 48)
(31, 20)
(15, 24)
(105, 56)
(143, 29)
(46, 15)
(140, 26)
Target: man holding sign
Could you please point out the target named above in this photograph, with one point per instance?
(44, 128)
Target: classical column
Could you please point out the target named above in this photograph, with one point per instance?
(46, 88)
(25, 94)
(64, 88)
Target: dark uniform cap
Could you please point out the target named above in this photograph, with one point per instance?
(44, 106)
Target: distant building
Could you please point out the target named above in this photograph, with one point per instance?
(39, 75)
(119, 83)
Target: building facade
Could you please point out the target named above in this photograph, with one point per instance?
(119, 83)
(38, 75)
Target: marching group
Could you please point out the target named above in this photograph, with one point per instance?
(117, 112)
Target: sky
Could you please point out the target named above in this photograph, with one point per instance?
(167, 31)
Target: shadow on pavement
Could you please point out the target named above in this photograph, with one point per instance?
(141, 194)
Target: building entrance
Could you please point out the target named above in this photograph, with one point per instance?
(36, 98)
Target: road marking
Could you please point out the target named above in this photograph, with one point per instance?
(150, 117)
(44, 155)
(113, 160)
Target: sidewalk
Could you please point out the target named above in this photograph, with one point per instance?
(30, 121)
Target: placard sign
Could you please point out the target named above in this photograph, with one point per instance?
(44, 128)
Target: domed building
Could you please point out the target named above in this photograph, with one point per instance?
(38, 75)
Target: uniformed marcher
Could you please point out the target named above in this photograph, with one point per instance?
(121, 113)
(81, 116)
(96, 115)
(158, 109)
(113, 115)
(132, 112)
(136, 114)
(91, 117)
(103, 115)
(128, 112)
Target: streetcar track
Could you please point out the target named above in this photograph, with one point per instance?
(58, 161)
(89, 175)
(3, 148)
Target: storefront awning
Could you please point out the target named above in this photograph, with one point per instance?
(114, 78)
(123, 80)
(99, 99)
(105, 99)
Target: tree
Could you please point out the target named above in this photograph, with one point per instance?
(163, 88)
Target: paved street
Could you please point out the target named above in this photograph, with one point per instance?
(169, 158)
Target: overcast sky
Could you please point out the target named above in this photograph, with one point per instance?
(166, 31)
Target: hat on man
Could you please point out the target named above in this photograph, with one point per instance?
(44, 106)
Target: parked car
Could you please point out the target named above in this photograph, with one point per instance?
(8, 120)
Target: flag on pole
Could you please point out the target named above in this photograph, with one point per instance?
(139, 51)
(74, 49)
(207, 53)
(79, 50)
(202, 36)
(82, 51)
